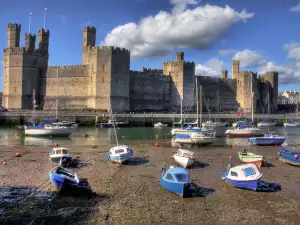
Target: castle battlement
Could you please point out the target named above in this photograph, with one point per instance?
(148, 74)
(67, 67)
(152, 70)
(14, 25)
(30, 35)
(43, 31)
(180, 62)
(89, 29)
(111, 48)
(23, 50)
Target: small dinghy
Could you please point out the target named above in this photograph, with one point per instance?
(60, 156)
(119, 154)
(270, 138)
(244, 176)
(67, 182)
(289, 157)
(249, 157)
(175, 180)
(184, 158)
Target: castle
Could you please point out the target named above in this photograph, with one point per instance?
(104, 81)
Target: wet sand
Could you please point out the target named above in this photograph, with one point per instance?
(131, 194)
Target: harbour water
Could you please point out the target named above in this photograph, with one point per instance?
(89, 136)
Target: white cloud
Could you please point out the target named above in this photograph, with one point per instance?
(226, 51)
(295, 8)
(2, 62)
(249, 58)
(64, 19)
(293, 50)
(159, 34)
(213, 67)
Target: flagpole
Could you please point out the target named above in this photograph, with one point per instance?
(30, 22)
(45, 12)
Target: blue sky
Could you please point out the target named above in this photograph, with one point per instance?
(264, 37)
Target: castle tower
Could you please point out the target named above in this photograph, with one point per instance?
(183, 81)
(179, 56)
(13, 35)
(235, 68)
(43, 40)
(272, 78)
(224, 74)
(89, 40)
(30, 41)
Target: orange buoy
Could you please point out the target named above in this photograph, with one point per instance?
(18, 154)
(157, 137)
(4, 163)
(233, 145)
(156, 145)
(118, 164)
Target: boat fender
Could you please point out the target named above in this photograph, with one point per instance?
(4, 163)
(296, 156)
(278, 153)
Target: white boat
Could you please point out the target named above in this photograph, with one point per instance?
(243, 123)
(64, 123)
(159, 124)
(196, 138)
(60, 156)
(244, 132)
(266, 124)
(49, 131)
(211, 124)
(291, 124)
(184, 157)
(188, 130)
(119, 153)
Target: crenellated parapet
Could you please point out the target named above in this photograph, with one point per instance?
(67, 71)
(152, 75)
(154, 71)
(89, 29)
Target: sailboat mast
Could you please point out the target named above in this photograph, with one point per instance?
(200, 122)
(197, 103)
(252, 99)
(181, 122)
(56, 113)
(113, 121)
(268, 105)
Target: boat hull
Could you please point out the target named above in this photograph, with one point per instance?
(118, 159)
(266, 141)
(288, 157)
(291, 124)
(262, 125)
(243, 133)
(184, 161)
(257, 162)
(47, 132)
(176, 188)
(250, 185)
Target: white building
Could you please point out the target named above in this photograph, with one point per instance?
(292, 97)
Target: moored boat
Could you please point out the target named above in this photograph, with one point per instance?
(270, 138)
(60, 156)
(119, 154)
(175, 180)
(188, 130)
(289, 157)
(184, 157)
(159, 124)
(266, 124)
(248, 157)
(244, 176)
(244, 132)
(67, 182)
(196, 138)
(211, 124)
(291, 123)
(42, 130)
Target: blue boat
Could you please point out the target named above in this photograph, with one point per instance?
(270, 138)
(244, 176)
(67, 182)
(119, 154)
(175, 180)
(289, 157)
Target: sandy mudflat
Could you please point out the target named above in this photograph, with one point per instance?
(131, 194)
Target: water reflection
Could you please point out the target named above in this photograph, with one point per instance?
(96, 136)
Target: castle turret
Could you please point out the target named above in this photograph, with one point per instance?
(43, 37)
(183, 77)
(30, 41)
(272, 78)
(13, 35)
(235, 68)
(89, 40)
(224, 74)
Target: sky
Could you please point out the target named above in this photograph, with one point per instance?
(263, 34)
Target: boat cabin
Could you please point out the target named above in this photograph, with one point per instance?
(271, 134)
(184, 153)
(177, 175)
(245, 172)
(60, 151)
(120, 150)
